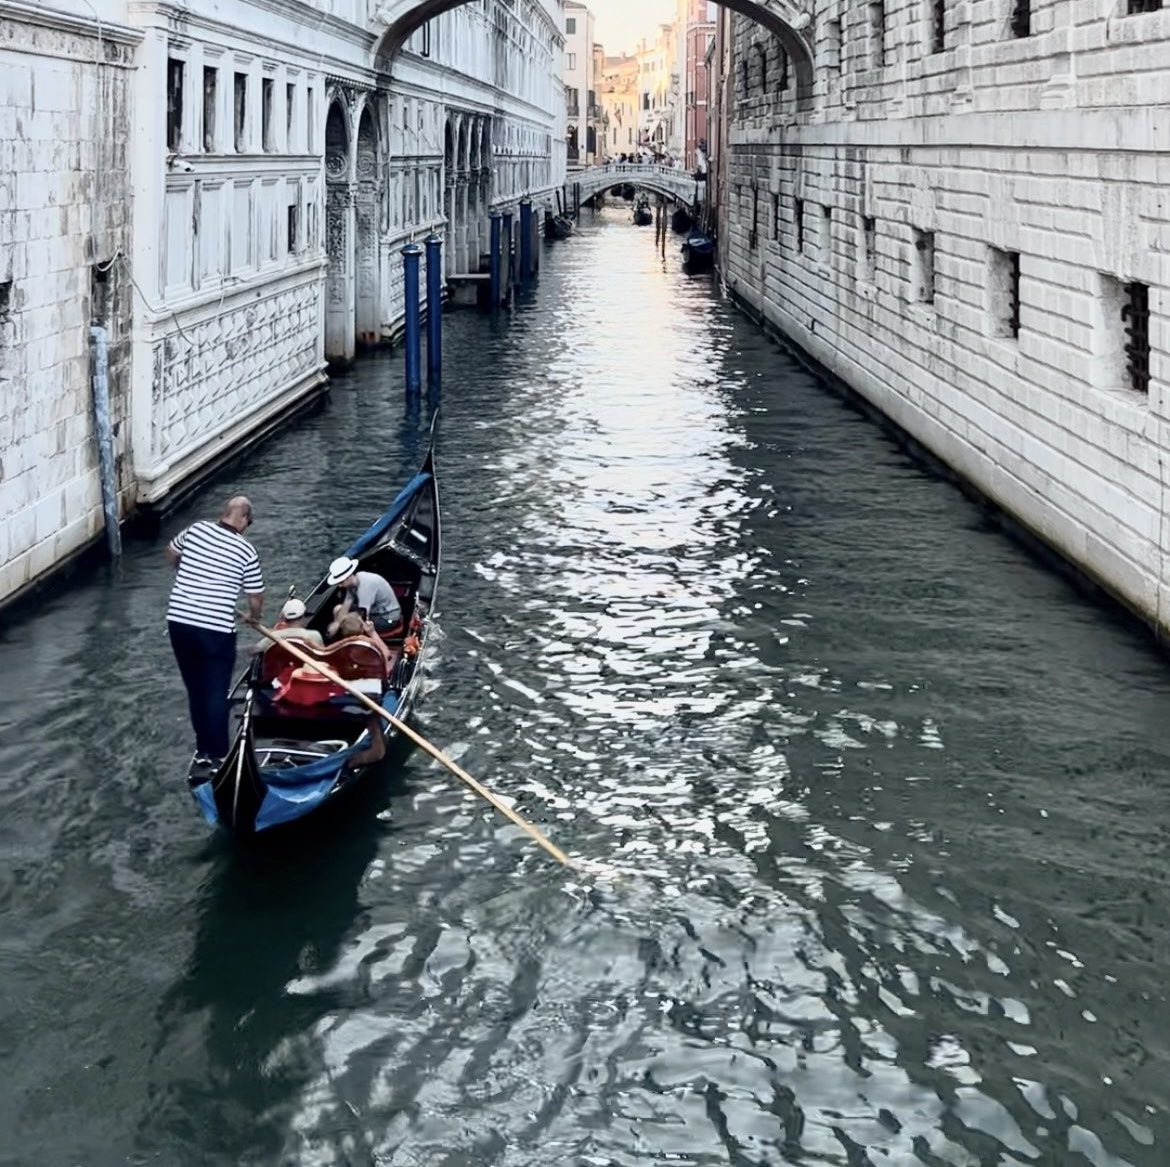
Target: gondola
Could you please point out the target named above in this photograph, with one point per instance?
(643, 216)
(698, 251)
(301, 741)
(558, 227)
(681, 221)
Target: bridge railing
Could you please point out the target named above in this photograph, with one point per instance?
(636, 168)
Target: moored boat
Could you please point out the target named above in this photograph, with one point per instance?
(558, 227)
(681, 221)
(300, 740)
(698, 251)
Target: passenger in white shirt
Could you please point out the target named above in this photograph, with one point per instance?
(365, 592)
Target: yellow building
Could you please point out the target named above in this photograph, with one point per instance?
(618, 95)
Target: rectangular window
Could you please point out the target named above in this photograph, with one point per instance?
(290, 105)
(754, 237)
(1003, 288)
(924, 267)
(572, 60)
(309, 139)
(877, 34)
(266, 89)
(938, 25)
(570, 25)
(1021, 22)
(1135, 317)
(241, 112)
(776, 217)
(294, 228)
(210, 91)
(5, 300)
(799, 216)
(836, 57)
(868, 248)
(1136, 6)
(174, 105)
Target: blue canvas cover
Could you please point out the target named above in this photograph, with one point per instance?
(389, 517)
(294, 791)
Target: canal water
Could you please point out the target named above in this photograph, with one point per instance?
(872, 808)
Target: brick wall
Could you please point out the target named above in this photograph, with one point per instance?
(883, 225)
(64, 207)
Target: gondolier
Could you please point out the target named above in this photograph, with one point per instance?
(213, 562)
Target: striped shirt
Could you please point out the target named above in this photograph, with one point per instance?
(215, 563)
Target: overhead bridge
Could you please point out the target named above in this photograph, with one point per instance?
(679, 185)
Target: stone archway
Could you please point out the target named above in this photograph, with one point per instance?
(339, 233)
(790, 20)
(366, 199)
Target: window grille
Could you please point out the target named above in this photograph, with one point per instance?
(1014, 293)
(938, 32)
(1136, 6)
(800, 225)
(1135, 315)
(174, 105)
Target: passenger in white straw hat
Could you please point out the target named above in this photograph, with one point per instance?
(365, 592)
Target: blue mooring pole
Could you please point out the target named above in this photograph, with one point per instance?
(509, 270)
(410, 257)
(526, 240)
(494, 265)
(434, 311)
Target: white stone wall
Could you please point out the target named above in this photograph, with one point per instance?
(1049, 146)
(64, 199)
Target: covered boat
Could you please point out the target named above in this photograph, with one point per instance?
(698, 251)
(301, 740)
(681, 221)
(643, 215)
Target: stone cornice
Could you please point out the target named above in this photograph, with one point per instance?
(313, 20)
(39, 16)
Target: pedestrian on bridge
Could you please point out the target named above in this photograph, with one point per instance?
(213, 562)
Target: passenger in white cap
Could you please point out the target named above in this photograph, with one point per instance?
(291, 626)
(365, 592)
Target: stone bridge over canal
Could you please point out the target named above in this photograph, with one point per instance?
(678, 185)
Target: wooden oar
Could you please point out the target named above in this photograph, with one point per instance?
(289, 645)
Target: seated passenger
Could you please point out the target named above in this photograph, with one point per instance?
(365, 591)
(291, 626)
(351, 624)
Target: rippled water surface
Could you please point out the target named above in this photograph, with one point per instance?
(879, 804)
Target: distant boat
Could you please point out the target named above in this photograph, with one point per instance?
(627, 192)
(643, 216)
(681, 221)
(698, 251)
(558, 227)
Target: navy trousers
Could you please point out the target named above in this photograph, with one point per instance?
(206, 662)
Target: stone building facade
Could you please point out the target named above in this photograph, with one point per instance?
(65, 98)
(232, 198)
(961, 211)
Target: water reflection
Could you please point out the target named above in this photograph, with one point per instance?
(877, 800)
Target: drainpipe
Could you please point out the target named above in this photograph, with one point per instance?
(104, 431)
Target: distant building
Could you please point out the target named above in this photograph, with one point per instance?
(658, 95)
(699, 36)
(580, 96)
(619, 104)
